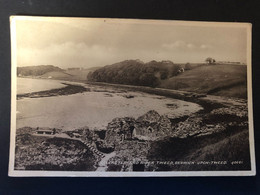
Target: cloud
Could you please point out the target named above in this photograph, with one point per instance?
(204, 46)
(191, 46)
(179, 45)
(67, 54)
(185, 46)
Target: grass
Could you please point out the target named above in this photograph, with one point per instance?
(233, 148)
(229, 145)
(211, 79)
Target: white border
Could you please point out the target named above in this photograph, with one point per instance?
(17, 173)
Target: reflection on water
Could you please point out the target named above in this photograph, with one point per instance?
(28, 85)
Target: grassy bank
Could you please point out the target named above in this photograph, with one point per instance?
(230, 145)
(69, 89)
(211, 79)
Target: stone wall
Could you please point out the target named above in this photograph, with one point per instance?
(150, 126)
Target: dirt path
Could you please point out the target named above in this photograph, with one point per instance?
(103, 163)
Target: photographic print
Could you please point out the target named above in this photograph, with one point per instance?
(127, 97)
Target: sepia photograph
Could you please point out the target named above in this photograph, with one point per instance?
(108, 97)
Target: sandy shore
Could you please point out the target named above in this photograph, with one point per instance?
(95, 108)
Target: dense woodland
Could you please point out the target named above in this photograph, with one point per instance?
(135, 72)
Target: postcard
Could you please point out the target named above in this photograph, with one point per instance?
(101, 97)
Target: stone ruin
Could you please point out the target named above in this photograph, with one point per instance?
(147, 127)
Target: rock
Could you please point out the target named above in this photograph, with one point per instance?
(189, 127)
(148, 126)
(239, 111)
(151, 116)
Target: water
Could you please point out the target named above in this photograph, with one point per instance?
(28, 85)
(95, 109)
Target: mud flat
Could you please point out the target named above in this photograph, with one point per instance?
(67, 90)
(95, 108)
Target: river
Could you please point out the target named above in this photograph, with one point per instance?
(94, 109)
(29, 85)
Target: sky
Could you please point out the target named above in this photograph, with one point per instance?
(82, 42)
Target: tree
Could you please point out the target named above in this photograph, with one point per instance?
(148, 79)
(187, 66)
(210, 60)
(164, 75)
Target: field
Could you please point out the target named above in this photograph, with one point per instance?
(220, 79)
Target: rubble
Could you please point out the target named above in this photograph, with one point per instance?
(147, 127)
(52, 154)
(239, 111)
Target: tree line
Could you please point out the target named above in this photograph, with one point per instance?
(135, 72)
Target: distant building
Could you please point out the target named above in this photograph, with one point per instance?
(181, 70)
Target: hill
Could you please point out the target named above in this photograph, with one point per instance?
(53, 72)
(81, 75)
(135, 72)
(219, 79)
(37, 70)
(57, 75)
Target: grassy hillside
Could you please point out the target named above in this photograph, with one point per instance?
(220, 150)
(81, 75)
(53, 72)
(217, 79)
(226, 80)
(37, 70)
(214, 147)
(57, 75)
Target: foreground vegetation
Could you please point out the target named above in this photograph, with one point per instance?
(50, 153)
(230, 147)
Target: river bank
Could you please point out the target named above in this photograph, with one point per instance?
(67, 90)
(137, 124)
